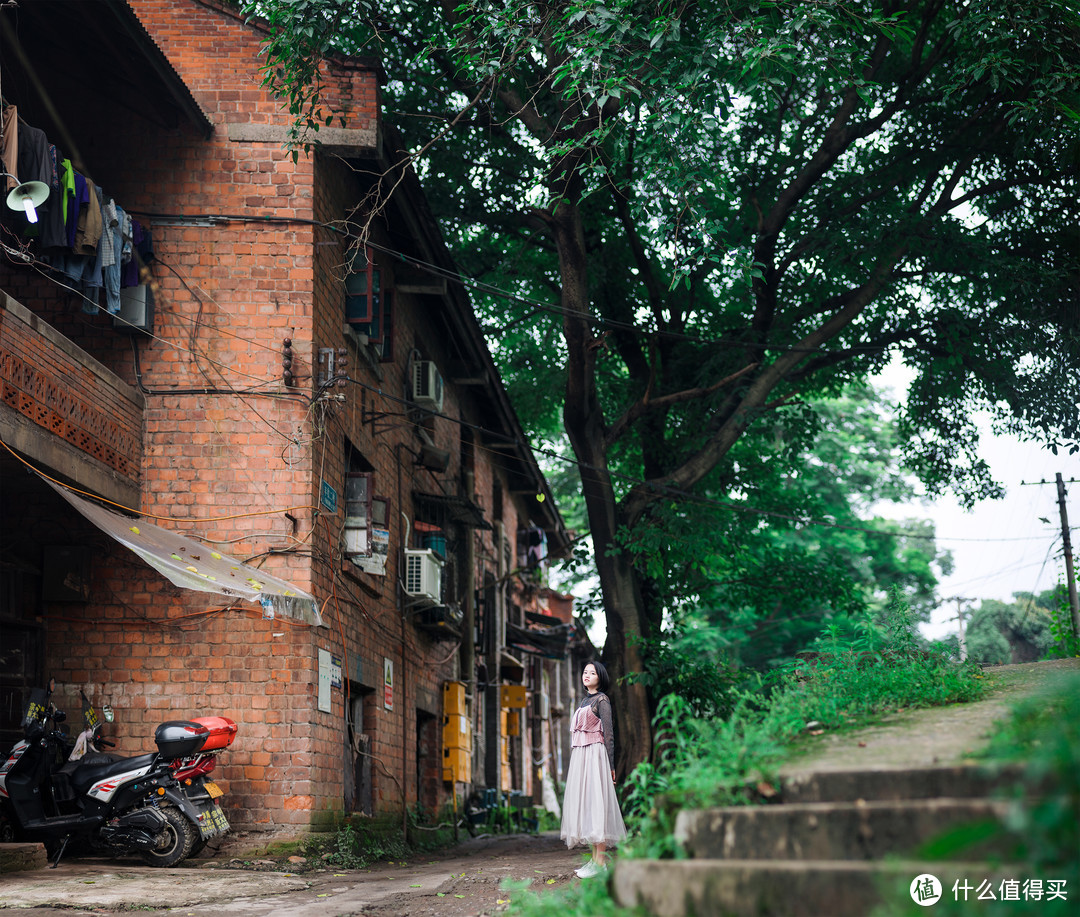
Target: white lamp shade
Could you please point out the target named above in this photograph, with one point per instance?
(27, 197)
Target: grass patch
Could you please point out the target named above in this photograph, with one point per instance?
(359, 841)
(842, 684)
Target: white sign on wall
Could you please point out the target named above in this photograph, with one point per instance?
(325, 679)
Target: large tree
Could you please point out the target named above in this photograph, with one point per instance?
(722, 208)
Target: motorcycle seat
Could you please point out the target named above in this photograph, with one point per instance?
(91, 757)
(86, 775)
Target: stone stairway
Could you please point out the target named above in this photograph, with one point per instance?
(838, 843)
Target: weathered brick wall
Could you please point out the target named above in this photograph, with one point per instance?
(232, 454)
(229, 452)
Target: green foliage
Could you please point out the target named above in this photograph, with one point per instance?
(1000, 632)
(1043, 736)
(848, 680)
(738, 593)
(580, 899)
(360, 841)
(693, 664)
(1066, 640)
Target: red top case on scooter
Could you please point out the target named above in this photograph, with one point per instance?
(222, 732)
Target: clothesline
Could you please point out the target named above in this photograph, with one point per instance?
(82, 233)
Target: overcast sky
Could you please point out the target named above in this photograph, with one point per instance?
(1002, 546)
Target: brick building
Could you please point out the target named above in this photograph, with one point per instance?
(290, 381)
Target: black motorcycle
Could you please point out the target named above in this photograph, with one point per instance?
(118, 806)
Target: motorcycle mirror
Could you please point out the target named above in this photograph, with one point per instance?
(52, 685)
(107, 712)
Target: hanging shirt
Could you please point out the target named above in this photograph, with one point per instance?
(10, 148)
(67, 187)
(88, 229)
(33, 160)
(54, 220)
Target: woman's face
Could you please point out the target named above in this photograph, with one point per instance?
(589, 678)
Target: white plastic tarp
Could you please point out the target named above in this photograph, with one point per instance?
(193, 565)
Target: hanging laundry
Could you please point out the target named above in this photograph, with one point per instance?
(53, 227)
(33, 159)
(143, 253)
(112, 245)
(10, 145)
(67, 186)
(88, 228)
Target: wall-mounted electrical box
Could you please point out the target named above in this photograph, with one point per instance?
(512, 696)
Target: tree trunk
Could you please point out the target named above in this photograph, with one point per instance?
(623, 602)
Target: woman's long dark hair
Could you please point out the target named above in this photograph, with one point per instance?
(602, 676)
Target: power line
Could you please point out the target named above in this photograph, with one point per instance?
(676, 493)
(490, 289)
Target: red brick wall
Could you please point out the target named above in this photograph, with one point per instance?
(232, 454)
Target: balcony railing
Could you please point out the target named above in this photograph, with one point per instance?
(60, 406)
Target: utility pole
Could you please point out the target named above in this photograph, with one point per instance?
(1070, 572)
(960, 610)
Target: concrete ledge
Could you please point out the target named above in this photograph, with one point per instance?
(22, 857)
(752, 888)
(895, 783)
(833, 830)
(345, 140)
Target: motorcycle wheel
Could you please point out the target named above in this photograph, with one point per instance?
(177, 840)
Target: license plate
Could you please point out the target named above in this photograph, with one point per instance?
(212, 789)
(212, 821)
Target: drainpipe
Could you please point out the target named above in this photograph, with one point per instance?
(468, 641)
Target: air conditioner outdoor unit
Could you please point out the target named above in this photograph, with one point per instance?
(427, 385)
(423, 574)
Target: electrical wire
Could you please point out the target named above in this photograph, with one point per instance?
(489, 289)
(675, 493)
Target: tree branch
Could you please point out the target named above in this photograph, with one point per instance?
(646, 404)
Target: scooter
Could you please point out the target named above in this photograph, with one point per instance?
(117, 805)
(191, 771)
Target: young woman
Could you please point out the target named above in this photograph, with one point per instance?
(590, 808)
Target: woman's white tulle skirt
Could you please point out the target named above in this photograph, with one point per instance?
(590, 807)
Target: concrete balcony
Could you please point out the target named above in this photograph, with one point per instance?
(64, 411)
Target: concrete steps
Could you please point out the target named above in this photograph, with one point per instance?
(827, 830)
(838, 843)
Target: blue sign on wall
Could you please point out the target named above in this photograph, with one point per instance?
(329, 497)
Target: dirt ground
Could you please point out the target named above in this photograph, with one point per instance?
(465, 881)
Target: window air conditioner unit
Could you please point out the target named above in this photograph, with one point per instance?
(423, 574)
(427, 385)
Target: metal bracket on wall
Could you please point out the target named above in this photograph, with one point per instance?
(377, 419)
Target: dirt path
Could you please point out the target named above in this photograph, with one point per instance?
(936, 735)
